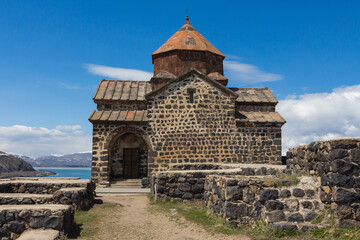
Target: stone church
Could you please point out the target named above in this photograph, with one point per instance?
(184, 114)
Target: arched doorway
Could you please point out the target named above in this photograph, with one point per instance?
(128, 157)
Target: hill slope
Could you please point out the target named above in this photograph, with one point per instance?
(10, 163)
(12, 166)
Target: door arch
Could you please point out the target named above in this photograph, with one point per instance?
(128, 157)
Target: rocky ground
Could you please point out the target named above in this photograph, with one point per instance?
(134, 217)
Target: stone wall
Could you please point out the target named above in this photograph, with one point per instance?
(79, 194)
(245, 199)
(43, 186)
(337, 164)
(205, 131)
(15, 220)
(189, 184)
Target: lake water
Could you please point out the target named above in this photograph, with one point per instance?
(83, 173)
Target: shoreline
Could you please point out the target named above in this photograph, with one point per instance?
(36, 173)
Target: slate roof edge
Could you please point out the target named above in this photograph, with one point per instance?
(108, 80)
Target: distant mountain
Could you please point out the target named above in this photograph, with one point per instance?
(12, 166)
(55, 160)
(10, 163)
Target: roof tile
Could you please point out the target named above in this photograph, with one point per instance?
(119, 90)
(119, 116)
(187, 38)
(255, 95)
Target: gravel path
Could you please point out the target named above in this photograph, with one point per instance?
(135, 219)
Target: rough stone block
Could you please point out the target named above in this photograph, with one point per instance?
(285, 193)
(292, 205)
(343, 211)
(338, 154)
(339, 180)
(275, 216)
(295, 217)
(345, 167)
(272, 205)
(310, 193)
(342, 195)
(269, 194)
(184, 187)
(298, 192)
(248, 195)
(236, 211)
(233, 193)
(309, 216)
(355, 155)
(307, 205)
(284, 226)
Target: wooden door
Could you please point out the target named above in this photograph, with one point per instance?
(131, 168)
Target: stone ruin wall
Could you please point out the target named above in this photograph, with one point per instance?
(245, 199)
(205, 131)
(186, 181)
(332, 179)
(337, 165)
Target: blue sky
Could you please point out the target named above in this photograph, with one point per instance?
(300, 50)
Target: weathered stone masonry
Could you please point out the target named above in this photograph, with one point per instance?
(184, 114)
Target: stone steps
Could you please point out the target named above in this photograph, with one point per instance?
(40, 234)
(42, 185)
(126, 183)
(23, 198)
(15, 219)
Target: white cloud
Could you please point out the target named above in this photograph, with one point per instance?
(39, 141)
(320, 116)
(118, 73)
(68, 86)
(247, 73)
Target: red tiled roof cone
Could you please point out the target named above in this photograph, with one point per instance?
(187, 49)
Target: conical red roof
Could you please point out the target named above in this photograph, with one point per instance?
(187, 38)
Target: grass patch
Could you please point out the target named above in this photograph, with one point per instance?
(85, 222)
(196, 212)
(287, 180)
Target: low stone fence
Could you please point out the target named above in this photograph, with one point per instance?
(41, 203)
(15, 219)
(337, 164)
(43, 185)
(189, 184)
(80, 198)
(246, 199)
(76, 192)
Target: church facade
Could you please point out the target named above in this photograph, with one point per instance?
(184, 114)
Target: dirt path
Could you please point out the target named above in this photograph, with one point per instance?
(136, 219)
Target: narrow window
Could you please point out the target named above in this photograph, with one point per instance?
(191, 95)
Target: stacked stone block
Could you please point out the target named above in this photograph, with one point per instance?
(40, 203)
(245, 199)
(189, 184)
(337, 164)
